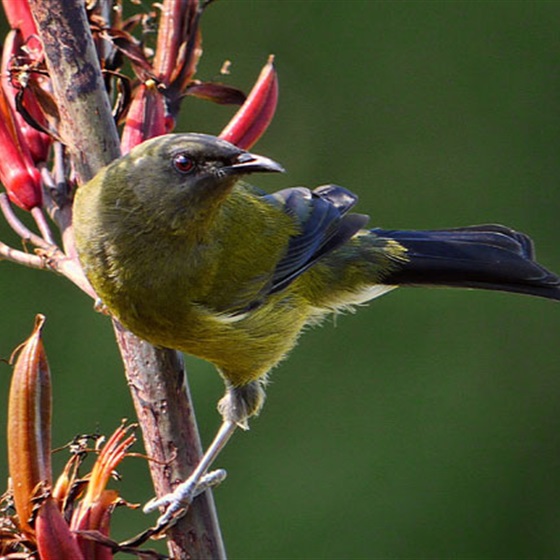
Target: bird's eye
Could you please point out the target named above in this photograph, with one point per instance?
(183, 163)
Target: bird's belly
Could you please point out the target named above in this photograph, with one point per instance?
(244, 348)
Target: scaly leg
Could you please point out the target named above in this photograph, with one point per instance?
(237, 405)
(178, 501)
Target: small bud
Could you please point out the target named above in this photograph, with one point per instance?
(29, 424)
(254, 116)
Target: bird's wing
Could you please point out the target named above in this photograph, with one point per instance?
(324, 224)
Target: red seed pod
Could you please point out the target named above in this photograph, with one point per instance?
(254, 116)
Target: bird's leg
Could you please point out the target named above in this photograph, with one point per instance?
(237, 405)
(178, 501)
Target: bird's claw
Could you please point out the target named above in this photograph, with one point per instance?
(177, 503)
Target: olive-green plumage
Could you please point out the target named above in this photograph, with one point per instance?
(188, 257)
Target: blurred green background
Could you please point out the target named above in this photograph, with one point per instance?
(426, 425)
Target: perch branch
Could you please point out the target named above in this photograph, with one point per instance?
(155, 375)
(27, 236)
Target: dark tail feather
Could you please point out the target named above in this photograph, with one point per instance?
(489, 257)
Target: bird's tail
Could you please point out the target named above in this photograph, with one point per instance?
(489, 257)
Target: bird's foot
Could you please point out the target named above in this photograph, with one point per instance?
(177, 503)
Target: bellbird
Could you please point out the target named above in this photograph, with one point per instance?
(187, 256)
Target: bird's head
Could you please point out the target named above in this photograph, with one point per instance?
(189, 169)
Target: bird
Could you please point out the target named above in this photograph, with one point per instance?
(187, 255)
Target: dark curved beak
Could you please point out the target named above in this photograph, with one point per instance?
(247, 162)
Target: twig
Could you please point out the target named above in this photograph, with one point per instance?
(48, 256)
(42, 224)
(59, 203)
(26, 259)
(23, 231)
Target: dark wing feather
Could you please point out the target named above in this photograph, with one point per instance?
(324, 225)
